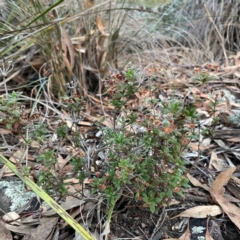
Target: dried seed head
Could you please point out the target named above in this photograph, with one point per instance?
(167, 129)
(192, 125)
(98, 174)
(118, 174)
(151, 118)
(148, 116)
(90, 180)
(216, 68)
(139, 120)
(149, 130)
(166, 199)
(157, 123)
(102, 187)
(196, 69)
(177, 189)
(185, 141)
(209, 66)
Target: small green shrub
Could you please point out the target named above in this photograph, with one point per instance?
(144, 151)
(11, 112)
(204, 77)
(49, 178)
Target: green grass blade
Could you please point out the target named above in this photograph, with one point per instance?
(43, 13)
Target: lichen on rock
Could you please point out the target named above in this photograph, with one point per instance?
(17, 192)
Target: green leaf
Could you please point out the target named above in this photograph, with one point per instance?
(9, 126)
(162, 195)
(15, 112)
(180, 194)
(137, 196)
(41, 178)
(152, 207)
(158, 200)
(113, 200)
(145, 197)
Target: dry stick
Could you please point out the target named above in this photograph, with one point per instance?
(218, 33)
(198, 157)
(158, 230)
(143, 233)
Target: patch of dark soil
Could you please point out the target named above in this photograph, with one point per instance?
(230, 231)
(138, 222)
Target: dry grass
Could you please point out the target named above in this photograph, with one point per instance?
(84, 42)
(211, 34)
